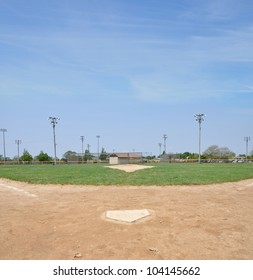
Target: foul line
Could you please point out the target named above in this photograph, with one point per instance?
(18, 190)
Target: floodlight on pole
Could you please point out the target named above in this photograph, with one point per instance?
(18, 142)
(98, 136)
(199, 118)
(82, 139)
(164, 139)
(54, 121)
(247, 139)
(4, 130)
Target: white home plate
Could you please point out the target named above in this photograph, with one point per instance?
(128, 216)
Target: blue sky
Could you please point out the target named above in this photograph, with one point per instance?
(129, 71)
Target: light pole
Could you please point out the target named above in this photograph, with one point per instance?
(53, 121)
(160, 148)
(199, 118)
(164, 139)
(4, 130)
(82, 138)
(98, 136)
(247, 139)
(18, 142)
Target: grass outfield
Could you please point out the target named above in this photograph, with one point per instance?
(96, 174)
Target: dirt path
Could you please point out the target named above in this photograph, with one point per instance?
(67, 222)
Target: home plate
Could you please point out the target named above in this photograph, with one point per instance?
(128, 216)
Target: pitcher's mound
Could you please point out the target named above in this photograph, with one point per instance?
(129, 167)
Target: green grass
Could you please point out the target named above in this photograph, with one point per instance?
(96, 174)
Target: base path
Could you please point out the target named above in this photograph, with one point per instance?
(68, 222)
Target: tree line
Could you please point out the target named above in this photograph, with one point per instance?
(212, 152)
(69, 156)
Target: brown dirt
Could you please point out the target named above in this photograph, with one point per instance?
(67, 222)
(129, 167)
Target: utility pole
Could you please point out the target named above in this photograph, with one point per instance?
(199, 118)
(18, 142)
(4, 130)
(98, 136)
(82, 138)
(53, 121)
(247, 139)
(164, 139)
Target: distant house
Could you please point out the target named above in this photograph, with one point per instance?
(125, 158)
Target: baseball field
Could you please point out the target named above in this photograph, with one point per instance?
(58, 212)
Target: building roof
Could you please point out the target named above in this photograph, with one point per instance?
(126, 155)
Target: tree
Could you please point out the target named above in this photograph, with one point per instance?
(87, 155)
(216, 152)
(103, 155)
(251, 154)
(188, 155)
(226, 153)
(26, 156)
(212, 152)
(150, 157)
(70, 156)
(43, 157)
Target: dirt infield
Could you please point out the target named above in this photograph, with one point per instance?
(129, 167)
(67, 222)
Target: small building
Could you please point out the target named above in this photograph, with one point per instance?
(125, 158)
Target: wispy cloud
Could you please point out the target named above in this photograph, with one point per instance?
(162, 59)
